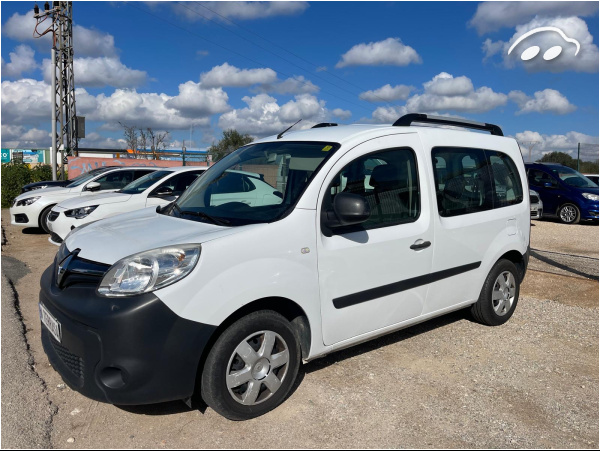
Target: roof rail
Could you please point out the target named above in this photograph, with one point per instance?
(408, 119)
(325, 124)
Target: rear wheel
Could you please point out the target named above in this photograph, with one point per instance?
(499, 295)
(252, 366)
(44, 219)
(569, 214)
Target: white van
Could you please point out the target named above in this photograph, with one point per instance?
(366, 230)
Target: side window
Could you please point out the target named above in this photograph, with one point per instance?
(540, 178)
(140, 173)
(232, 182)
(387, 180)
(507, 183)
(462, 181)
(178, 183)
(115, 180)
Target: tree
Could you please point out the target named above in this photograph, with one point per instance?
(559, 157)
(131, 136)
(231, 141)
(156, 140)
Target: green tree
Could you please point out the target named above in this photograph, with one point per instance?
(559, 157)
(231, 141)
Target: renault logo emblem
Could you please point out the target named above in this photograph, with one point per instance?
(62, 268)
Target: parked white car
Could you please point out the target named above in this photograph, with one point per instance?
(31, 209)
(226, 299)
(536, 205)
(157, 188)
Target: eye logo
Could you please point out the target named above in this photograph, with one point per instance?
(531, 52)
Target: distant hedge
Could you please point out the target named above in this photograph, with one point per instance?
(16, 175)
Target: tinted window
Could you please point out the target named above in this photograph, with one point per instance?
(143, 183)
(179, 183)
(507, 184)
(473, 180)
(115, 180)
(462, 181)
(540, 178)
(387, 180)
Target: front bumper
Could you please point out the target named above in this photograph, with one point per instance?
(60, 225)
(128, 351)
(25, 216)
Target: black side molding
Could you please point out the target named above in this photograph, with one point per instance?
(403, 285)
(408, 119)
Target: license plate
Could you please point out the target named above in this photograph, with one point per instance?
(51, 323)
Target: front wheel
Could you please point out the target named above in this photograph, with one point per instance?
(44, 219)
(569, 214)
(252, 366)
(499, 295)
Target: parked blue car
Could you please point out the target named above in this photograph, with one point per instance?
(565, 192)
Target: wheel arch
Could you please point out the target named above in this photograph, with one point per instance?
(284, 306)
(46, 208)
(518, 259)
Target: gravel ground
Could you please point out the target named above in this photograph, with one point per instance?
(449, 382)
(551, 235)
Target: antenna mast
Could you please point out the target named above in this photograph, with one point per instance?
(64, 126)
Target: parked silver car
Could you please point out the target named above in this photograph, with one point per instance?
(537, 207)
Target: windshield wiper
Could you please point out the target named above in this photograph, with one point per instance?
(200, 214)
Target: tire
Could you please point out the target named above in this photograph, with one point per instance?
(569, 214)
(261, 385)
(494, 307)
(44, 219)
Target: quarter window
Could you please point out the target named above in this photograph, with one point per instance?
(473, 180)
(387, 180)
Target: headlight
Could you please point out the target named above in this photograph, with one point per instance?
(28, 201)
(79, 213)
(590, 196)
(150, 270)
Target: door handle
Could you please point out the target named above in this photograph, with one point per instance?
(422, 245)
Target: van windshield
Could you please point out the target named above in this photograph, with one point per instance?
(255, 184)
(573, 178)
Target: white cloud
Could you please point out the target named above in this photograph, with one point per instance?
(492, 16)
(195, 101)
(15, 137)
(239, 10)
(546, 101)
(342, 114)
(293, 85)
(21, 60)
(263, 116)
(447, 93)
(388, 114)
(387, 93)
(95, 140)
(25, 102)
(97, 72)
(87, 41)
(228, 75)
(389, 52)
(574, 27)
(567, 143)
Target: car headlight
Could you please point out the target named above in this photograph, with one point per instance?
(79, 213)
(590, 196)
(150, 270)
(28, 201)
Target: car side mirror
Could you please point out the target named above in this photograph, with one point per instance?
(163, 191)
(547, 185)
(348, 209)
(92, 186)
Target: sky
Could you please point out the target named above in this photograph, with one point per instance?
(195, 69)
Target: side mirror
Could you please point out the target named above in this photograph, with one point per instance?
(92, 186)
(163, 191)
(547, 185)
(348, 209)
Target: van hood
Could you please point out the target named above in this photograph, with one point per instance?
(111, 239)
(94, 199)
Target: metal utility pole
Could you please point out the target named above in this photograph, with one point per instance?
(578, 150)
(64, 118)
(530, 145)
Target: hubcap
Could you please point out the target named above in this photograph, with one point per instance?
(503, 294)
(568, 213)
(257, 367)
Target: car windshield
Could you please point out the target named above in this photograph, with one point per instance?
(145, 182)
(573, 178)
(255, 184)
(84, 178)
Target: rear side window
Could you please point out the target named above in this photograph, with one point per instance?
(115, 180)
(474, 180)
(387, 180)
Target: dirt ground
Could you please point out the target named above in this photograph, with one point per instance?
(448, 383)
